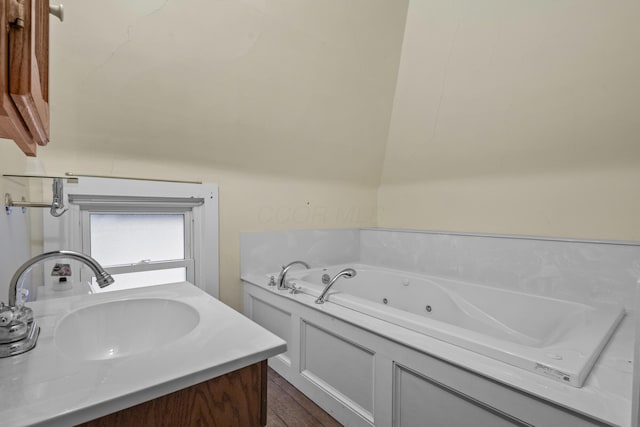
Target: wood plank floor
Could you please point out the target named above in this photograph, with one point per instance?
(288, 407)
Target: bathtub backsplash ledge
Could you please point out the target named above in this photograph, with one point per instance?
(576, 270)
(266, 252)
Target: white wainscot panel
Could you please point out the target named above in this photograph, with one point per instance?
(420, 401)
(275, 320)
(340, 367)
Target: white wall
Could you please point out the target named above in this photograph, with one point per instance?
(517, 117)
(14, 228)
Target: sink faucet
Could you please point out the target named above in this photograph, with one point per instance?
(18, 330)
(102, 277)
(285, 269)
(347, 273)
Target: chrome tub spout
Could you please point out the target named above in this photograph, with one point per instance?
(347, 273)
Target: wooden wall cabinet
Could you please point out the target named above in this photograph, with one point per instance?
(24, 73)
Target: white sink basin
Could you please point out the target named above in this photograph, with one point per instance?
(123, 328)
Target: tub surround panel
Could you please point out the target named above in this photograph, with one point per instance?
(273, 319)
(520, 406)
(339, 409)
(341, 367)
(575, 270)
(266, 252)
(418, 398)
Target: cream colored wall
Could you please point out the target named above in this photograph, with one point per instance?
(517, 117)
(299, 88)
(283, 103)
(250, 202)
(11, 161)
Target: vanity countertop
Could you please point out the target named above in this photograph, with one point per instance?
(46, 387)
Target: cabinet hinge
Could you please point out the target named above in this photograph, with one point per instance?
(16, 13)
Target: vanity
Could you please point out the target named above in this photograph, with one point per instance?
(168, 352)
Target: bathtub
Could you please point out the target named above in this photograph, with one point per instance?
(555, 338)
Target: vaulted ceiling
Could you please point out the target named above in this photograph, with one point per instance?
(290, 87)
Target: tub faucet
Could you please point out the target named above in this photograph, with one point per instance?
(347, 273)
(285, 269)
(18, 329)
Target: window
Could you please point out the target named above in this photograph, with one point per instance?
(142, 232)
(139, 248)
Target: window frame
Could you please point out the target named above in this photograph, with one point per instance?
(113, 194)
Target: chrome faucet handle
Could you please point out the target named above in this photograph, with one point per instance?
(16, 323)
(272, 281)
(6, 314)
(57, 11)
(294, 289)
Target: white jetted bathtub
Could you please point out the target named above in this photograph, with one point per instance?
(552, 337)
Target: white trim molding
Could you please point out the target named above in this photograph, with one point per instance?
(118, 195)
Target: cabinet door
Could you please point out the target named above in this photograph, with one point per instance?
(422, 402)
(12, 126)
(29, 68)
(238, 398)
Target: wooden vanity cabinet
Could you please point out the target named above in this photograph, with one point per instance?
(238, 398)
(24, 73)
